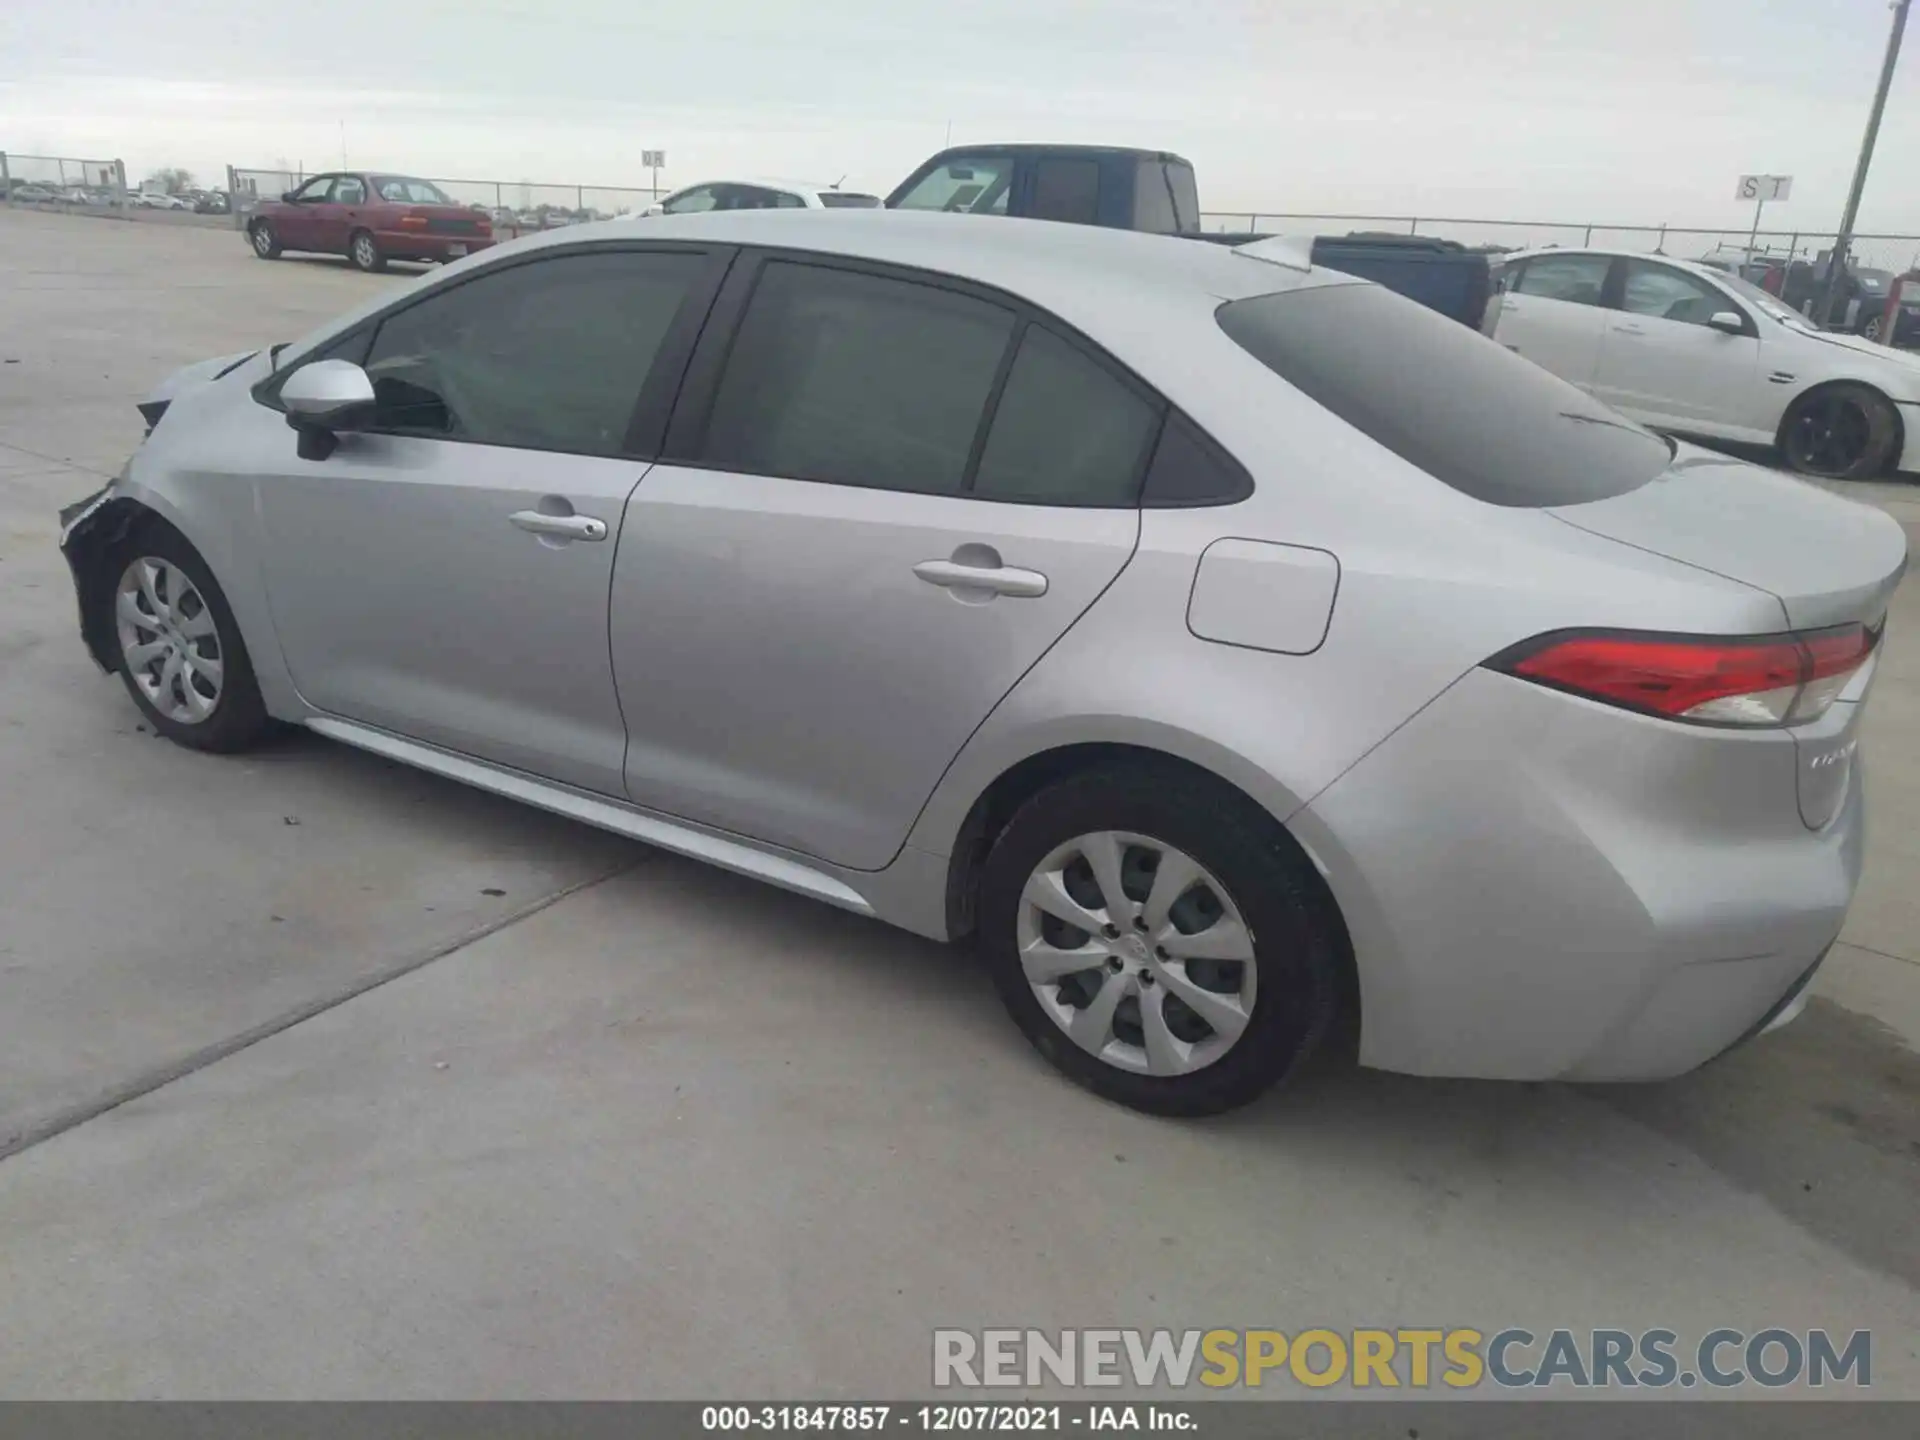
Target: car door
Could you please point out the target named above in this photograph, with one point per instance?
(1662, 363)
(853, 550)
(298, 222)
(340, 216)
(443, 574)
(1551, 312)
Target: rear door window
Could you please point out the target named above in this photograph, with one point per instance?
(856, 379)
(1576, 279)
(1067, 431)
(1067, 190)
(1445, 398)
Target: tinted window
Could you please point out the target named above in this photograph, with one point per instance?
(1189, 469)
(1067, 431)
(856, 379)
(966, 182)
(314, 191)
(1465, 409)
(848, 200)
(545, 356)
(1578, 279)
(1668, 294)
(1067, 190)
(1153, 199)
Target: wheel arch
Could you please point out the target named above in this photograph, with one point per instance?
(996, 803)
(1832, 382)
(87, 547)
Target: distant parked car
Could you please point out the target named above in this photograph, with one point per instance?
(370, 218)
(761, 195)
(155, 200)
(214, 202)
(1872, 287)
(33, 195)
(1685, 348)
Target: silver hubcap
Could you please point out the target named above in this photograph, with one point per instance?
(363, 251)
(262, 239)
(169, 640)
(1137, 953)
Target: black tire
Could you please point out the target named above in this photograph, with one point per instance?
(364, 252)
(1870, 327)
(238, 718)
(266, 244)
(1846, 431)
(1299, 942)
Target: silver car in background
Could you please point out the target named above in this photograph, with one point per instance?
(1224, 644)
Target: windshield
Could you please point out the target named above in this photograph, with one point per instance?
(1769, 305)
(405, 191)
(977, 183)
(1445, 398)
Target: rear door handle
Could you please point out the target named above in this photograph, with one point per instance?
(1629, 330)
(562, 527)
(994, 579)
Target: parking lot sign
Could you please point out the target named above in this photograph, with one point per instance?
(1758, 189)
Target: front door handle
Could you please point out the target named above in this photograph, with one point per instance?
(1629, 330)
(561, 527)
(991, 579)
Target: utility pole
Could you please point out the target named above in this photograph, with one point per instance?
(1837, 260)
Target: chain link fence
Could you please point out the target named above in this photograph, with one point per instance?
(514, 206)
(62, 182)
(1895, 253)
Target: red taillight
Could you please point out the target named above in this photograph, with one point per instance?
(1765, 680)
(413, 220)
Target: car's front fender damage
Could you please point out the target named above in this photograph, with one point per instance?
(89, 531)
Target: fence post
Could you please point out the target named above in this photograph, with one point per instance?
(1660, 245)
(579, 198)
(120, 187)
(1793, 247)
(1589, 236)
(6, 181)
(1413, 226)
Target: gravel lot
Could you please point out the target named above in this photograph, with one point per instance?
(618, 1125)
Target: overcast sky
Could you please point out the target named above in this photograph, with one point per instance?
(1622, 110)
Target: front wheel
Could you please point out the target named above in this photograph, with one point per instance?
(180, 652)
(1158, 941)
(1840, 432)
(266, 244)
(364, 251)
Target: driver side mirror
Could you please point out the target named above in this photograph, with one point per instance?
(1727, 322)
(322, 400)
(289, 197)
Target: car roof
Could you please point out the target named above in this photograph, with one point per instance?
(765, 182)
(1023, 147)
(1024, 256)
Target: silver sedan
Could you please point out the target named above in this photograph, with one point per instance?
(1228, 646)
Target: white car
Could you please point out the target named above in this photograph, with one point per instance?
(1685, 348)
(154, 200)
(761, 195)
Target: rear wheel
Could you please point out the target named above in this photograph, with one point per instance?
(1159, 942)
(1840, 432)
(265, 243)
(364, 251)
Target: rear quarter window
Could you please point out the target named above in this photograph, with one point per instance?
(1443, 397)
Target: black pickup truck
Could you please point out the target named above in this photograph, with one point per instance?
(1154, 190)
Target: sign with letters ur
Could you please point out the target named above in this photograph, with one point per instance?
(1755, 188)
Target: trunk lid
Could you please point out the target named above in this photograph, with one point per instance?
(1828, 560)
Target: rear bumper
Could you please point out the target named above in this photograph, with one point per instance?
(413, 245)
(1538, 887)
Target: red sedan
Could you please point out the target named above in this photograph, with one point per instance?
(370, 219)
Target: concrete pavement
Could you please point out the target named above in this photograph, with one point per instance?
(633, 1127)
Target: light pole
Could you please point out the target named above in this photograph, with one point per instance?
(1837, 260)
